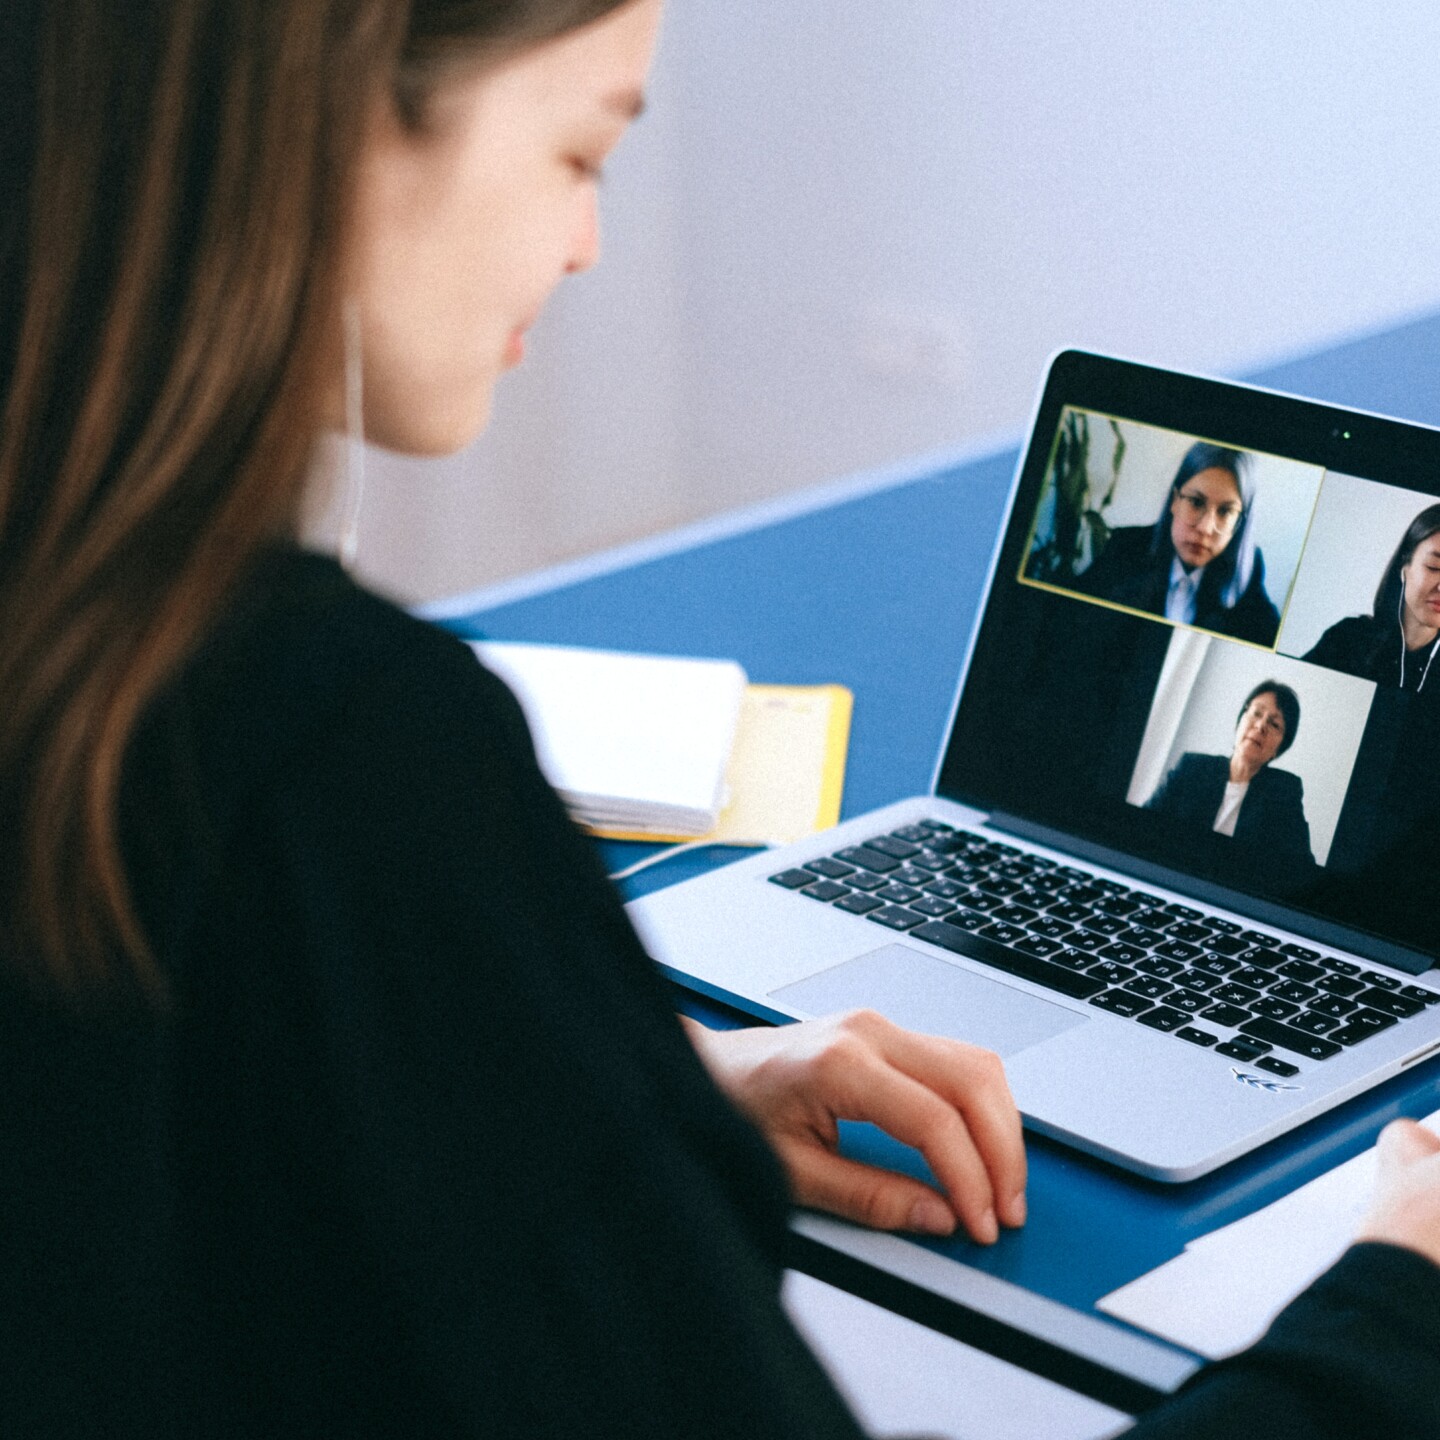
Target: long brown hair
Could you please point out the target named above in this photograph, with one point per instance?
(176, 177)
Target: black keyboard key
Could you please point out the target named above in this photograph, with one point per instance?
(1068, 911)
(1122, 905)
(1140, 936)
(1197, 980)
(859, 904)
(1163, 1018)
(1182, 912)
(1277, 1066)
(1121, 953)
(793, 879)
(895, 917)
(1015, 914)
(864, 880)
(1273, 1009)
(1273, 1032)
(1262, 956)
(1003, 889)
(1385, 982)
(1294, 990)
(896, 894)
(1050, 927)
(830, 869)
(918, 834)
(1148, 986)
(1003, 934)
(1012, 962)
(1388, 1003)
(1215, 964)
(1341, 985)
(1242, 1047)
(1230, 1016)
(934, 864)
(1299, 952)
(1189, 1001)
(1222, 927)
(932, 906)
(1300, 970)
(1174, 949)
(985, 903)
(1253, 976)
(1236, 994)
(1106, 924)
(1073, 959)
(1224, 944)
(1187, 933)
(1314, 1024)
(945, 889)
(1372, 1020)
(1196, 1037)
(1333, 1005)
(1087, 940)
(1151, 919)
(1121, 1002)
(1154, 965)
(965, 919)
(890, 845)
(1351, 1034)
(909, 874)
(1340, 967)
(868, 859)
(1111, 973)
(825, 890)
(1420, 993)
(1039, 945)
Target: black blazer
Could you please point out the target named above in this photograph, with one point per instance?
(1272, 815)
(1129, 573)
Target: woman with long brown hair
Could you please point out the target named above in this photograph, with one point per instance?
(339, 1098)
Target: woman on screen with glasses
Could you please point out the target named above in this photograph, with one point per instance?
(338, 1098)
(1198, 563)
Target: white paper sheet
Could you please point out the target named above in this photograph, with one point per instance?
(1223, 1291)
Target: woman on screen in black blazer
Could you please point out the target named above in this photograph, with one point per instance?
(337, 1095)
(1396, 643)
(1198, 564)
(1241, 795)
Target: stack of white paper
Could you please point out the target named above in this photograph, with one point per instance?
(1221, 1293)
(632, 742)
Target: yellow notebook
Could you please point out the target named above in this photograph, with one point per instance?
(786, 770)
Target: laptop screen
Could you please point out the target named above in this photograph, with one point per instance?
(1208, 646)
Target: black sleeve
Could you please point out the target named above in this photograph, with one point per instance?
(1358, 1354)
(577, 1234)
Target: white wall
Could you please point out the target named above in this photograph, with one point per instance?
(848, 232)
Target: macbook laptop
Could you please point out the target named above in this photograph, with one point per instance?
(1179, 862)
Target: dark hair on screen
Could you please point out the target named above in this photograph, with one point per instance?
(1228, 575)
(1288, 703)
(1390, 588)
(176, 178)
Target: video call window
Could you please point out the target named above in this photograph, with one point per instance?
(1253, 747)
(1171, 526)
(1367, 598)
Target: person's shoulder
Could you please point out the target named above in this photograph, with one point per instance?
(1349, 636)
(303, 653)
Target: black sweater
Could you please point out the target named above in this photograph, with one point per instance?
(420, 1148)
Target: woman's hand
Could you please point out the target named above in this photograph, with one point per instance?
(949, 1100)
(1406, 1207)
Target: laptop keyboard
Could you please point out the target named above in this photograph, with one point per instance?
(1207, 981)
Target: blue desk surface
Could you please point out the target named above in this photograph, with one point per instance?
(878, 590)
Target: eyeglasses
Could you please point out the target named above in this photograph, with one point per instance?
(1196, 506)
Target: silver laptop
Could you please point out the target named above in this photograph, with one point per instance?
(1179, 863)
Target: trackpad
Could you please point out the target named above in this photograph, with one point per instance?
(922, 993)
